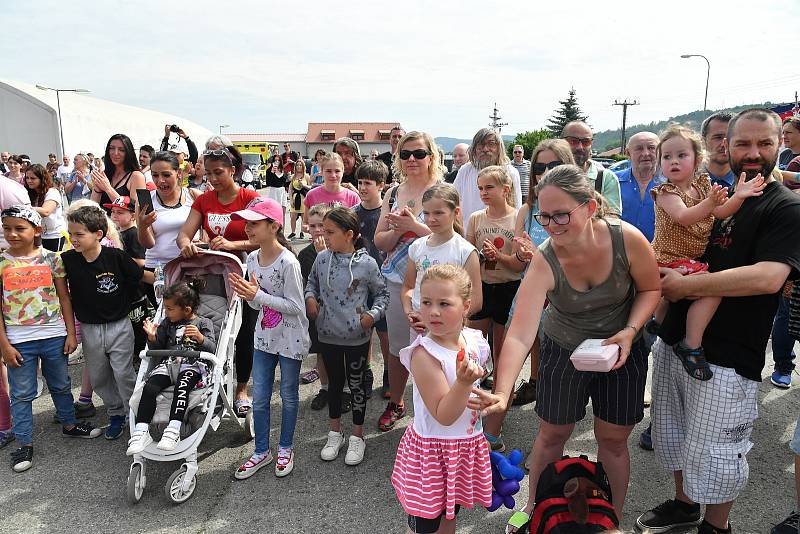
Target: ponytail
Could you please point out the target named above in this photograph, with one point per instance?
(282, 239)
(603, 208)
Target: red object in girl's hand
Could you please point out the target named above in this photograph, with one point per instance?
(460, 355)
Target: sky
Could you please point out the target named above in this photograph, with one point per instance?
(437, 66)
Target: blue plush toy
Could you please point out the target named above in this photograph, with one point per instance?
(506, 476)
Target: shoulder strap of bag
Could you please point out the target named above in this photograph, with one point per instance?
(598, 182)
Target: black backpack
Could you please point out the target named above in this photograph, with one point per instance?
(573, 496)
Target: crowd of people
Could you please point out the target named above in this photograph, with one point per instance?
(462, 274)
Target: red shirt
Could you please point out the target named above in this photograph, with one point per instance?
(217, 216)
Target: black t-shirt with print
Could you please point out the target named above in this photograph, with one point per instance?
(764, 229)
(102, 291)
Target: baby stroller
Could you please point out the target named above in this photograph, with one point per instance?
(211, 403)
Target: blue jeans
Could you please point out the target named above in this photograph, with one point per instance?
(263, 380)
(782, 342)
(22, 382)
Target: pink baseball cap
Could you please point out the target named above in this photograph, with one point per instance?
(262, 209)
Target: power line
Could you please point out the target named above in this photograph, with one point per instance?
(624, 105)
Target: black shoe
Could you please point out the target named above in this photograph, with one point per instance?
(652, 327)
(707, 528)
(368, 381)
(347, 401)
(694, 361)
(790, 525)
(82, 430)
(290, 236)
(525, 393)
(84, 411)
(646, 438)
(320, 401)
(487, 383)
(22, 459)
(668, 515)
(301, 236)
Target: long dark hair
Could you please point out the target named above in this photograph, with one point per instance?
(45, 184)
(130, 163)
(346, 220)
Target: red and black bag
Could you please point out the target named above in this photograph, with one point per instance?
(573, 496)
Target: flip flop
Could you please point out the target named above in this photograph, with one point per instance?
(242, 407)
(519, 520)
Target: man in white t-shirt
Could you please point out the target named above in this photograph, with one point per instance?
(486, 149)
(64, 170)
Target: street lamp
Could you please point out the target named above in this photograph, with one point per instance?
(708, 74)
(221, 126)
(58, 103)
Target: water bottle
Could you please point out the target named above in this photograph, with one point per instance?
(158, 284)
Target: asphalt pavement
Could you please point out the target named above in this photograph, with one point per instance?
(79, 485)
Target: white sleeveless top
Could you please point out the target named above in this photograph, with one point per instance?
(165, 229)
(469, 423)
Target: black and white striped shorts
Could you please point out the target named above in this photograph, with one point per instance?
(563, 392)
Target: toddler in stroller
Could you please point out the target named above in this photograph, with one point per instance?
(181, 330)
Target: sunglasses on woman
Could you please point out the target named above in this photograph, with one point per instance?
(419, 153)
(541, 168)
(560, 219)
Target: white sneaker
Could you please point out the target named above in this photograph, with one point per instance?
(169, 439)
(355, 450)
(139, 441)
(331, 449)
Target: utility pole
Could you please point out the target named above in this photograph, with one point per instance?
(496, 124)
(624, 105)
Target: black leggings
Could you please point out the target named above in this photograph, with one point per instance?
(186, 382)
(243, 356)
(344, 362)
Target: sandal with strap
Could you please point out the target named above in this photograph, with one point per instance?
(242, 407)
(519, 520)
(694, 361)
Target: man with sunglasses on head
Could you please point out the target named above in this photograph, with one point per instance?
(486, 149)
(523, 167)
(579, 136)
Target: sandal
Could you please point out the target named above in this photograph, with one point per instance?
(694, 361)
(242, 407)
(519, 520)
(309, 377)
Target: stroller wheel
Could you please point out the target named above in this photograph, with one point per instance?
(135, 484)
(174, 490)
(249, 425)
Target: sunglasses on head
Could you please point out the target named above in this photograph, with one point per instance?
(419, 153)
(541, 168)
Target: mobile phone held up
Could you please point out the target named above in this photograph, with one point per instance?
(145, 200)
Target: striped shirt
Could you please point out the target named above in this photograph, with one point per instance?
(524, 170)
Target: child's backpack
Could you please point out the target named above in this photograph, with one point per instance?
(573, 496)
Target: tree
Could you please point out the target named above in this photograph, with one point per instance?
(569, 111)
(528, 140)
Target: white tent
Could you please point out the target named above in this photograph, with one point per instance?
(29, 123)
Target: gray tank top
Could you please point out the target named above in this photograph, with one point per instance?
(573, 316)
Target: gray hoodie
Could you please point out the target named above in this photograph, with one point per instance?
(344, 285)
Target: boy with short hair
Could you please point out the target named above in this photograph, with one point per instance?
(36, 326)
(122, 215)
(103, 282)
(371, 177)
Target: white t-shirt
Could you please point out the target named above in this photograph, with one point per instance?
(454, 251)
(469, 423)
(466, 183)
(165, 229)
(54, 225)
(63, 173)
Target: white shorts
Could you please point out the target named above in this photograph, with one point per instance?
(702, 428)
(278, 194)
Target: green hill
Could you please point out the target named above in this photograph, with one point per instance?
(611, 138)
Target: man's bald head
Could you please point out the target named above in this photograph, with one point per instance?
(641, 149)
(460, 154)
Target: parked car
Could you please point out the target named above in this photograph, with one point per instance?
(606, 162)
(620, 165)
